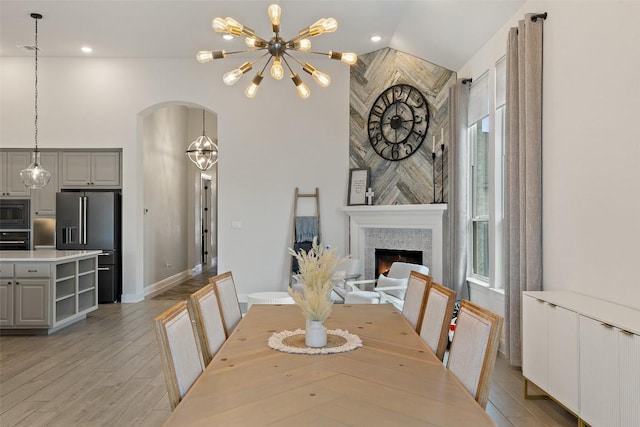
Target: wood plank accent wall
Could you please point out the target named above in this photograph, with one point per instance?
(408, 181)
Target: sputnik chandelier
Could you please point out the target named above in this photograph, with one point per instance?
(277, 51)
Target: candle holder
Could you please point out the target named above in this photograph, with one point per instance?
(433, 175)
(442, 159)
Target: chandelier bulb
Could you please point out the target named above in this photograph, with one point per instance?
(303, 90)
(274, 14)
(277, 72)
(204, 56)
(347, 57)
(250, 41)
(232, 76)
(252, 89)
(330, 25)
(304, 45)
(321, 78)
(219, 25)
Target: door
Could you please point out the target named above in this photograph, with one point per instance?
(205, 226)
(32, 302)
(535, 341)
(68, 221)
(599, 376)
(16, 162)
(107, 284)
(100, 220)
(44, 199)
(6, 302)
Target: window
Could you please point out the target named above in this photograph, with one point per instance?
(478, 132)
(479, 143)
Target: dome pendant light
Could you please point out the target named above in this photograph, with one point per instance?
(203, 152)
(35, 176)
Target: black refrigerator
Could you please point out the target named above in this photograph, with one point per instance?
(90, 220)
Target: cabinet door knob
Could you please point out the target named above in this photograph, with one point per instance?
(17, 283)
(606, 325)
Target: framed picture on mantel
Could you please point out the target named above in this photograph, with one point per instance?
(359, 181)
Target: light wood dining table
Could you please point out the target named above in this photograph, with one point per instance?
(394, 379)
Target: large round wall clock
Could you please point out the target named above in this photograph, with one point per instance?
(398, 122)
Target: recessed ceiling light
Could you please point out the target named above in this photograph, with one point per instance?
(86, 49)
(376, 39)
(227, 37)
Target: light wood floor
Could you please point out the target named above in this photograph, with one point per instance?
(106, 371)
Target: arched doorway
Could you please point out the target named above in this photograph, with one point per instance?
(179, 199)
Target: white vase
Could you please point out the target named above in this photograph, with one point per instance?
(316, 334)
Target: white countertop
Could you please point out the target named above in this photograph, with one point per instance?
(46, 255)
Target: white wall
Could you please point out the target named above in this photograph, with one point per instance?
(268, 146)
(591, 144)
(166, 210)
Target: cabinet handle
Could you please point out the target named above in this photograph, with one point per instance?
(17, 283)
(103, 269)
(539, 300)
(32, 271)
(626, 332)
(552, 305)
(606, 325)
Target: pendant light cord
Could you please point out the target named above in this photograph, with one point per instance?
(36, 88)
(203, 122)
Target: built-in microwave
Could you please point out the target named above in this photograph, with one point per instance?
(15, 214)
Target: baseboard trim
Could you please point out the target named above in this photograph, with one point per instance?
(159, 287)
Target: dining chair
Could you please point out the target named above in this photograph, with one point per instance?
(181, 359)
(437, 318)
(225, 290)
(474, 348)
(203, 305)
(415, 298)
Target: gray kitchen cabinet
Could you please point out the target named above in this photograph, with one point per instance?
(90, 169)
(6, 301)
(32, 302)
(24, 295)
(44, 200)
(11, 163)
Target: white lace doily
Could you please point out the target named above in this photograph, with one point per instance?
(338, 341)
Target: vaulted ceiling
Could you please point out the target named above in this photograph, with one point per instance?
(445, 32)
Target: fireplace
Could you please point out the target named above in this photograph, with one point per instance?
(385, 257)
(407, 227)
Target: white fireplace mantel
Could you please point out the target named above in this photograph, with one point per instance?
(430, 217)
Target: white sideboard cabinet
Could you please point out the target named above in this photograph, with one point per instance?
(585, 353)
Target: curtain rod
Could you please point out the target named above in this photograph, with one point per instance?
(534, 18)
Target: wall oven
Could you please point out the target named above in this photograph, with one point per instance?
(14, 241)
(15, 214)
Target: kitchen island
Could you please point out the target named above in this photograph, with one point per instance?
(45, 290)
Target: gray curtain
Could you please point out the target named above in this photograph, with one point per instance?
(457, 209)
(523, 180)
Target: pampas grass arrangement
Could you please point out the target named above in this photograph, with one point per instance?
(316, 270)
